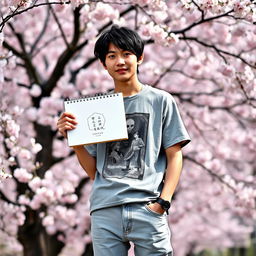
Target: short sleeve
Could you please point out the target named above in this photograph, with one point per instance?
(174, 130)
(92, 149)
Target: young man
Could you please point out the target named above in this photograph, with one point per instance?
(134, 179)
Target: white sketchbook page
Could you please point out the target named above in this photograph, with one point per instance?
(100, 119)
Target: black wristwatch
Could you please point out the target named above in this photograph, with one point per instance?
(164, 203)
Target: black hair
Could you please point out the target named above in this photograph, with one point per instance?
(123, 38)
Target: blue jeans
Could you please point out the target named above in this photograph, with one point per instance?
(114, 227)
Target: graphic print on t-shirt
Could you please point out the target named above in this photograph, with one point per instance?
(126, 159)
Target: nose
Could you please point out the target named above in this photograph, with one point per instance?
(120, 61)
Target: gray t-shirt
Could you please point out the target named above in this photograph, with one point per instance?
(132, 170)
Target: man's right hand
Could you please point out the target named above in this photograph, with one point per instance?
(66, 122)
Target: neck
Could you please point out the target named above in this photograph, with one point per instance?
(128, 88)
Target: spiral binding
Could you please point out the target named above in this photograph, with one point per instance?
(91, 97)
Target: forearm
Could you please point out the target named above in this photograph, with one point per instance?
(87, 161)
(172, 175)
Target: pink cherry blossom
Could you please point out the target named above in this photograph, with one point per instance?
(24, 200)
(103, 12)
(35, 90)
(35, 183)
(202, 52)
(48, 221)
(70, 199)
(22, 175)
(25, 154)
(76, 3)
(12, 128)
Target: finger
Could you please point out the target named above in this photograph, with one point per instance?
(66, 127)
(63, 128)
(68, 114)
(67, 119)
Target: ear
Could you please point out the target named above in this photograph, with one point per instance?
(140, 59)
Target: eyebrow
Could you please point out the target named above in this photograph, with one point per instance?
(111, 52)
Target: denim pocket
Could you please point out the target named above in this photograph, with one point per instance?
(153, 212)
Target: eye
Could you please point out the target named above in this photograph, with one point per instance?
(111, 56)
(126, 54)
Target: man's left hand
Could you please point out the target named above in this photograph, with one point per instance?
(156, 207)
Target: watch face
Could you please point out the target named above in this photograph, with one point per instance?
(166, 205)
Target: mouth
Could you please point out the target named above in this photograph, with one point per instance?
(121, 70)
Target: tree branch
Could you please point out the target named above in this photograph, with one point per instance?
(64, 57)
(214, 107)
(217, 50)
(214, 175)
(76, 33)
(13, 50)
(6, 199)
(34, 45)
(30, 68)
(38, 50)
(203, 20)
(16, 12)
(59, 26)
(165, 72)
(200, 131)
(110, 2)
(200, 10)
(249, 100)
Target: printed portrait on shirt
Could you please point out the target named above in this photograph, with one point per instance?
(126, 159)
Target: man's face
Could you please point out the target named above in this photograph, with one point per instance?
(121, 64)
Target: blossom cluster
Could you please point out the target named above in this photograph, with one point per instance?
(159, 34)
(11, 216)
(19, 3)
(103, 13)
(155, 5)
(76, 3)
(15, 149)
(242, 9)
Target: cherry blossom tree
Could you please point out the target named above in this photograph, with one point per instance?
(201, 51)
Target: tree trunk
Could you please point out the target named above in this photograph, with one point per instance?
(88, 251)
(35, 240)
(44, 157)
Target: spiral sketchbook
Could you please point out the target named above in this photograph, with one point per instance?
(100, 119)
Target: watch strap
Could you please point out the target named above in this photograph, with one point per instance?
(164, 203)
